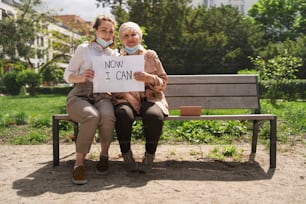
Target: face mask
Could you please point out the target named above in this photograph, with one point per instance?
(131, 50)
(104, 43)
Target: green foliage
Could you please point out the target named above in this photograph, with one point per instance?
(296, 48)
(33, 138)
(13, 118)
(3, 121)
(51, 74)
(20, 118)
(65, 125)
(295, 117)
(14, 81)
(137, 130)
(291, 120)
(12, 86)
(1, 68)
(34, 108)
(110, 3)
(41, 122)
(204, 131)
(291, 90)
(29, 79)
(279, 19)
(248, 71)
(276, 70)
(225, 152)
(23, 91)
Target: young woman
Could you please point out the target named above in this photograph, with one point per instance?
(91, 110)
(150, 104)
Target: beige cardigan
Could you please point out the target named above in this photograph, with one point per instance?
(153, 91)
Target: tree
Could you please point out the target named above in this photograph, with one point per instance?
(219, 40)
(19, 37)
(18, 34)
(112, 3)
(301, 18)
(164, 23)
(51, 74)
(279, 19)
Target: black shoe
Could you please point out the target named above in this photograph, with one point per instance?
(147, 163)
(129, 161)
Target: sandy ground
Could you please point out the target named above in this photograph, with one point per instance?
(181, 174)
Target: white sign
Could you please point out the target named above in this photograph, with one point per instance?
(115, 74)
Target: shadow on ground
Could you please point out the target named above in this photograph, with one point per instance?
(58, 179)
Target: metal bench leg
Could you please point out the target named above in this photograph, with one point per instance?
(55, 134)
(255, 135)
(273, 139)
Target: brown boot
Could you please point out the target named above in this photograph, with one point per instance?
(147, 163)
(129, 161)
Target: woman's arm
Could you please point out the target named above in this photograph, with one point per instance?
(73, 73)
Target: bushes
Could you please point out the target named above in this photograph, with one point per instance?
(30, 80)
(291, 90)
(11, 85)
(275, 71)
(13, 81)
(288, 90)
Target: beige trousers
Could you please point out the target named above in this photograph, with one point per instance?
(92, 112)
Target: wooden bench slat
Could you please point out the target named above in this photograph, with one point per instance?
(62, 117)
(214, 102)
(212, 79)
(206, 90)
(224, 117)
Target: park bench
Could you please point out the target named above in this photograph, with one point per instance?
(209, 92)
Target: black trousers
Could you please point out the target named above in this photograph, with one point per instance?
(152, 118)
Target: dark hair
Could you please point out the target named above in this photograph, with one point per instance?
(99, 21)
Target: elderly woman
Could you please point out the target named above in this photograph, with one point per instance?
(151, 104)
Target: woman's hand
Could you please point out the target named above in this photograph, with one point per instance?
(143, 76)
(151, 54)
(88, 74)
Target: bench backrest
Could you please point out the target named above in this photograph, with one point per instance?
(213, 91)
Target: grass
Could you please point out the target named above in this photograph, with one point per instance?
(27, 120)
(226, 151)
(42, 106)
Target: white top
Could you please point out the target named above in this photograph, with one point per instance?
(82, 58)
